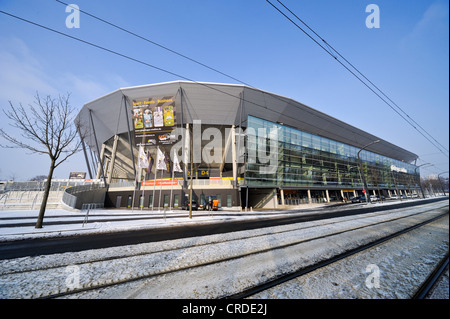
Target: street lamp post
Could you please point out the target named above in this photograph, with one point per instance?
(366, 190)
(359, 172)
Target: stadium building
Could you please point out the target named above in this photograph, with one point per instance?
(243, 146)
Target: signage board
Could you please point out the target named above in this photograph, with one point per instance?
(162, 182)
(154, 119)
(77, 175)
(201, 173)
(398, 169)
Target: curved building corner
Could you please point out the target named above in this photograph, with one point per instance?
(245, 147)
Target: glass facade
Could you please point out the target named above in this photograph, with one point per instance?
(281, 156)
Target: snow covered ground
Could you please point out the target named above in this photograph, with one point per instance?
(99, 220)
(170, 269)
(399, 266)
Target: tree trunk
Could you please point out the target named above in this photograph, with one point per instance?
(45, 197)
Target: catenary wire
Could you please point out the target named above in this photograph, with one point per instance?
(154, 43)
(285, 100)
(359, 72)
(151, 42)
(329, 51)
(355, 75)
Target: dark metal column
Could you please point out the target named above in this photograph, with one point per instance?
(96, 145)
(129, 134)
(85, 155)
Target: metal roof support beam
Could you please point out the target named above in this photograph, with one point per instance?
(225, 150)
(124, 98)
(100, 164)
(233, 154)
(85, 154)
(113, 159)
(96, 144)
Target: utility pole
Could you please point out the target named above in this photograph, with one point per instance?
(192, 175)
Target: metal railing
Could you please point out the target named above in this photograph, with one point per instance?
(27, 199)
(57, 184)
(88, 207)
(74, 196)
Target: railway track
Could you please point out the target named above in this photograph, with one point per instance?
(432, 279)
(214, 266)
(423, 288)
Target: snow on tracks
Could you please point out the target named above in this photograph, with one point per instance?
(200, 267)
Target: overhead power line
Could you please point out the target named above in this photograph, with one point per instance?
(362, 78)
(161, 69)
(154, 43)
(356, 69)
(174, 51)
(167, 71)
(141, 62)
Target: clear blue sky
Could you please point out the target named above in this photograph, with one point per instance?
(407, 57)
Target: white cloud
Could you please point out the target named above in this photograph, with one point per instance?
(22, 75)
(86, 88)
(433, 20)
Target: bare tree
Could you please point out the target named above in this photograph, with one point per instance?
(46, 127)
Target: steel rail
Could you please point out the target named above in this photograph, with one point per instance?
(284, 278)
(245, 236)
(266, 285)
(431, 280)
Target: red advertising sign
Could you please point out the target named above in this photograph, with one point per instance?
(161, 182)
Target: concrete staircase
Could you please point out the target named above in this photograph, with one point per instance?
(26, 200)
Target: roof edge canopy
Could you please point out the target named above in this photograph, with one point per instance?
(227, 104)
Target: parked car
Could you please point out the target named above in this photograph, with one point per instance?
(374, 198)
(358, 199)
(194, 205)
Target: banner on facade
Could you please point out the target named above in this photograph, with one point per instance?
(154, 120)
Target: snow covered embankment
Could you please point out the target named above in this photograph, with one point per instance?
(229, 262)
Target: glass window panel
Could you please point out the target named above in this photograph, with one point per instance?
(229, 203)
(325, 145)
(176, 200)
(340, 148)
(304, 158)
(333, 147)
(315, 142)
(306, 140)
